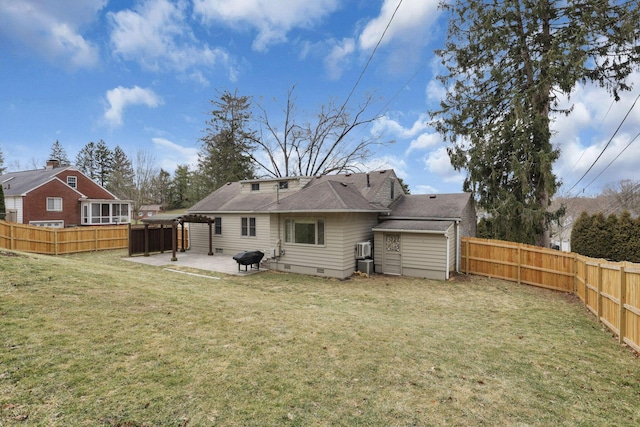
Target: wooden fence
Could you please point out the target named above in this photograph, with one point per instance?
(611, 290)
(57, 241)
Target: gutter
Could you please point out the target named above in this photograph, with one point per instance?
(446, 272)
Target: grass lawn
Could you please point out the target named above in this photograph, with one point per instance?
(92, 340)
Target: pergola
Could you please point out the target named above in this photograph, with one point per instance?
(174, 221)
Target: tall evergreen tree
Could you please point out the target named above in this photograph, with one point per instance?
(181, 187)
(580, 234)
(507, 63)
(86, 161)
(3, 208)
(104, 162)
(58, 153)
(2, 167)
(121, 178)
(160, 187)
(223, 156)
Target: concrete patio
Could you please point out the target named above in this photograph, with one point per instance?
(218, 263)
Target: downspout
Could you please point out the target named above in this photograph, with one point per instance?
(458, 246)
(446, 273)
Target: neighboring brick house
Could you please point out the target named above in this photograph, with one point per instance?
(60, 197)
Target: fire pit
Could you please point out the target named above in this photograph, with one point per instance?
(250, 258)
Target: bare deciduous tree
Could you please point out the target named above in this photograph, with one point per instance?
(325, 145)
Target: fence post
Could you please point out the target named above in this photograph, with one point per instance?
(622, 316)
(55, 242)
(599, 296)
(11, 237)
(519, 263)
(466, 258)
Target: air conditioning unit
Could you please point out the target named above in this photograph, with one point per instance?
(363, 250)
(124, 219)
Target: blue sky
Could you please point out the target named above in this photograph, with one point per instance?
(140, 74)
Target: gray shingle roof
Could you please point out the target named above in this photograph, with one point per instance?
(326, 196)
(347, 192)
(18, 183)
(449, 206)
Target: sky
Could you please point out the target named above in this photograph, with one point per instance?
(141, 74)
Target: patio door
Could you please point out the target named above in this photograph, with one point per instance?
(392, 254)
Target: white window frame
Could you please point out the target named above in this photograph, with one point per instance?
(248, 226)
(54, 204)
(105, 212)
(319, 231)
(72, 181)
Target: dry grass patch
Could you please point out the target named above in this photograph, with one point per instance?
(93, 340)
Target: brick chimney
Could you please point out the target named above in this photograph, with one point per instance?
(52, 164)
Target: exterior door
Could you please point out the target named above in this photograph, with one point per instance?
(392, 254)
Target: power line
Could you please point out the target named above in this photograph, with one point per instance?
(370, 58)
(605, 147)
(614, 159)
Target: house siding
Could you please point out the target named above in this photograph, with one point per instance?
(336, 258)
(231, 241)
(85, 185)
(15, 204)
(35, 204)
(423, 255)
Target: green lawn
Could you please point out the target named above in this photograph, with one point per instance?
(91, 340)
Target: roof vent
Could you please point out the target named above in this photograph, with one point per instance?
(383, 171)
(344, 184)
(432, 196)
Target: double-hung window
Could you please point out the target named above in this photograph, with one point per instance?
(248, 228)
(72, 181)
(305, 231)
(54, 204)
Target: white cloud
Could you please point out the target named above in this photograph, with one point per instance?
(424, 189)
(389, 126)
(172, 154)
(411, 21)
(388, 162)
(121, 97)
(51, 30)
(583, 135)
(157, 36)
(438, 163)
(273, 19)
(338, 57)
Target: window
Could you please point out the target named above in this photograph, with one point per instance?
(218, 225)
(105, 213)
(393, 189)
(72, 181)
(283, 185)
(309, 232)
(248, 227)
(54, 204)
(255, 186)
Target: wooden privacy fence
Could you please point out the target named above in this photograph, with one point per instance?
(611, 290)
(56, 241)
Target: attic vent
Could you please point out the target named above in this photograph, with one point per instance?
(348, 174)
(344, 184)
(432, 196)
(228, 183)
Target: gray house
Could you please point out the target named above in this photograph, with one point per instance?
(314, 225)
